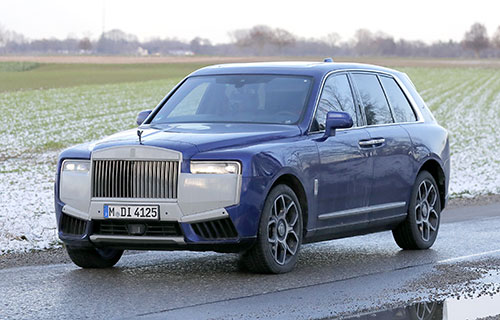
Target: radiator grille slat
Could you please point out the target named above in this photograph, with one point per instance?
(135, 179)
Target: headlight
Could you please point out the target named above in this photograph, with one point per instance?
(76, 165)
(215, 167)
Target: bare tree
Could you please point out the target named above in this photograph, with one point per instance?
(117, 42)
(363, 40)
(282, 38)
(476, 39)
(239, 37)
(2, 36)
(258, 37)
(85, 44)
(495, 39)
(383, 44)
(198, 44)
(7, 36)
(332, 39)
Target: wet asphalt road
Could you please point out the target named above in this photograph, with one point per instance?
(332, 278)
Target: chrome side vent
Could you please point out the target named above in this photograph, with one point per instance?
(135, 179)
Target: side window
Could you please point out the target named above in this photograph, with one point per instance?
(373, 98)
(402, 109)
(336, 96)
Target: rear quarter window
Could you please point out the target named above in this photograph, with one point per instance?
(403, 112)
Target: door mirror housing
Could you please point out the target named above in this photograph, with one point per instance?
(142, 116)
(336, 120)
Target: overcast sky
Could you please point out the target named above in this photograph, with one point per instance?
(427, 20)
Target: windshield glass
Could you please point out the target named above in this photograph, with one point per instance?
(246, 98)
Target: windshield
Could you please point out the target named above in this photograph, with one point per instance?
(275, 99)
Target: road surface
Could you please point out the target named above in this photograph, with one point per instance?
(335, 278)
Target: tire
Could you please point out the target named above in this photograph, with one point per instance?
(279, 236)
(94, 257)
(420, 229)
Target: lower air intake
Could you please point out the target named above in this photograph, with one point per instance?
(144, 228)
(72, 225)
(215, 229)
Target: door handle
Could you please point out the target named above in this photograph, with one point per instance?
(371, 142)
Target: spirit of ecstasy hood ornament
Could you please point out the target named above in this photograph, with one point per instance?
(139, 133)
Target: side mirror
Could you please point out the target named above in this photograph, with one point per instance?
(142, 116)
(336, 120)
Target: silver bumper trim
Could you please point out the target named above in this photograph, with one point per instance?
(75, 213)
(136, 239)
(205, 216)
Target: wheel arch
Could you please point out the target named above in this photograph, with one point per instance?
(296, 185)
(436, 170)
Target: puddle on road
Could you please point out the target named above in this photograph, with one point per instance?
(485, 307)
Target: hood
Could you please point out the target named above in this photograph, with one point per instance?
(191, 138)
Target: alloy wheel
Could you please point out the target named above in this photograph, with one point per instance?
(283, 229)
(425, 310)
(427, 218)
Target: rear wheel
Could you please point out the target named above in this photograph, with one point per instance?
(280, 234)
(94, 257)
(420, 229)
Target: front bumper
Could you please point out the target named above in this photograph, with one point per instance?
(212, 211)
(208, 231)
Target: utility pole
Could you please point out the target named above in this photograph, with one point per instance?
(103, 16)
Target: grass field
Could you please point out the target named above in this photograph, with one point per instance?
(47, 107)
(32, 75)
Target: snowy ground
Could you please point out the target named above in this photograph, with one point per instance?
(36, 124)
(467, 103)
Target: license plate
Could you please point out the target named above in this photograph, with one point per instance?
(131, 212)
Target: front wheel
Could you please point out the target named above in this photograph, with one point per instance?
(420, 229)
(280, 234)
(94, 257)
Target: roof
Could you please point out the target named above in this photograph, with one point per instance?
(315, 69)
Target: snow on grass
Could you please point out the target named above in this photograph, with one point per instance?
(36, 124)
(467, 103)
(27, 219)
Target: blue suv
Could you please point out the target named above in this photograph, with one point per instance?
(259, 159)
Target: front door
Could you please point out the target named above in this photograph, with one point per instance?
(344, 181)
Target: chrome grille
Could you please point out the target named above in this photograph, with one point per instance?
(135, 179)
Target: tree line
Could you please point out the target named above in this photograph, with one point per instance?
(261, 40)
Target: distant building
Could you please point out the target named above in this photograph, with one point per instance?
(181, 52)
(142, 52)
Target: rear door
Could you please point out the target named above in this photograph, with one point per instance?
(390, 148)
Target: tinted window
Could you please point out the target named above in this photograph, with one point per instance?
(374, 102)
(336, 96)
(400, 105)
(237, 98)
